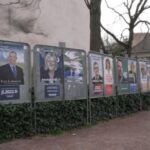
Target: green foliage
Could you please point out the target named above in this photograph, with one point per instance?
(22, 120)
(146, 101)
(15, 121)
(56, 132)
(102, 109)
(115, 49)
(60, 115)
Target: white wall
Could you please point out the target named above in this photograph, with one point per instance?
(46, 22)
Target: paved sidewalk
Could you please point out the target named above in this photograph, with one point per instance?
(129, 133)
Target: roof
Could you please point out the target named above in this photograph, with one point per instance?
(141, 42)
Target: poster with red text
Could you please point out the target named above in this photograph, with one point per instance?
(108, 75)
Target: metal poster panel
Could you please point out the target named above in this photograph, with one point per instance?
(148, 76)
(48, 73)
(143, 76)
(75, 80)
(96, 75)
(14, 72)
(132, 75)
(108, 76)
(122, 75)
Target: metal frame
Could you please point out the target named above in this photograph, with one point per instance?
(36, 67)
(139, 75)
(28, 97)
(114, 84)
(117, 83)
(148, 63)
(84, 75)
(89, 78)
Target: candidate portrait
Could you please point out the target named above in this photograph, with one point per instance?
(132, 72)
(97, 78)
(49, 71)
(143, 71)
(73, 66)
(122, 74)
(11, 73)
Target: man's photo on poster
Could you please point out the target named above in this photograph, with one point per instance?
(132, 71)
(143, 71)
(121, 71)
(97, 75)
(73, 66)
(11, 66)
(148, 76)
(143, 76)
(97, 72)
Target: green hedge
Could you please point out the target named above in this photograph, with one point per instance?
(146, 101)
(15, 121)
(22, 120)
(60, 115)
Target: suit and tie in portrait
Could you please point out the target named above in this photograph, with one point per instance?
(11, 73)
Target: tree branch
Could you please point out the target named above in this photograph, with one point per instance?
(123, 32)
(115, 38)
(114, 10)
(140, 8)
(88, 4)
(142, 21)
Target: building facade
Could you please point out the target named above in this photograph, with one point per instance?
(50, 22)
(141, 45)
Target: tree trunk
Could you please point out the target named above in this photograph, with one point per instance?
(95, 32)
(131, 33)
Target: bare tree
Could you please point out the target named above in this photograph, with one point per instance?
(131, 17)
(96, 42)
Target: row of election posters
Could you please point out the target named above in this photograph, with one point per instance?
(121, 75)
(64, 74)
(126, 75)
(101, 75)
(59, 73)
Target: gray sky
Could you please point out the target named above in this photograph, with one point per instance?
(111, 20)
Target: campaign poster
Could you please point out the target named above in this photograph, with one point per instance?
(12, 72)
(143, 76)
(51, 67)
(48, 73)
(148, 76)
(122, 75)
(9, 92)
(108, 75)
(96, 78)
(75, 74)
(52, 91)
(73, 66)
(11, 65)
(132, 75)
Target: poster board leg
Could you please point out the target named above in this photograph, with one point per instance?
(124, 105)
(141, 102)
(90, 111)
(87, 111)
(116, 108)
(88, 107)
(117, 102)
(33, 111)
